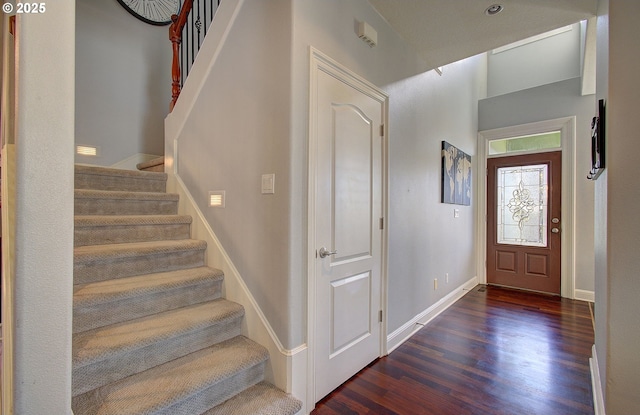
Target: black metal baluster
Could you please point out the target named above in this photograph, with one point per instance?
(206, 21)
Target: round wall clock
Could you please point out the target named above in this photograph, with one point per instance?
(156, 12)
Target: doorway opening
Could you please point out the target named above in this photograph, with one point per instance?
(519, 215)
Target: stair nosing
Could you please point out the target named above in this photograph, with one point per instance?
(183, 278)
(166, 330)
(88, 253)
(124, 195)
(86, 221)
(114, 172)
(247, 393)
(242, 352)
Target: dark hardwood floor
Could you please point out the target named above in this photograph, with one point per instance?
(495, 351)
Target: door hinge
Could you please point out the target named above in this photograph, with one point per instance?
(381, 223)
(381, 130)
(380, 316)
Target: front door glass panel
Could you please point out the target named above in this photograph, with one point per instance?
(522, 210)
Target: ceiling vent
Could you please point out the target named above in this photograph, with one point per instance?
(368, 34)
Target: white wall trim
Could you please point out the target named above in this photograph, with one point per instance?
(284, 366)
(584, 295)
(567, 126)
(596, 385)
(402, 334)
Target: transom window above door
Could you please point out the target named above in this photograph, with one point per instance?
(527, 143)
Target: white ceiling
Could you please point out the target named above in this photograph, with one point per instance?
(445, 31)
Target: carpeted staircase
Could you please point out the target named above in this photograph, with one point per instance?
(152, 333)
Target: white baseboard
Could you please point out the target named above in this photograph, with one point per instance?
(596, 385)
(402, 334)
(131, 162)
(584, 295)
(287, 369)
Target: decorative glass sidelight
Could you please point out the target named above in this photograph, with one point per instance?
(522, 205)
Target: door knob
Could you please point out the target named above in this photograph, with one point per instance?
(555, 230)
(555, 220)
(324, 253)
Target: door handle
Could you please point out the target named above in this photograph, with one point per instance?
(555, 230)
(324, 253)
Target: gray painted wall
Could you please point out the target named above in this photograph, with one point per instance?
(238, 130)
(252, 118)
(123, 82)
(618, 195)
(542, 62)
(424, 239)
(557, 100)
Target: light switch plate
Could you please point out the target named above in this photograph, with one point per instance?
(268, 184)
(456, 213)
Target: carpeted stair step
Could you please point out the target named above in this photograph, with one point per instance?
(105, 202)
(102, 262)
(109, 229)
(261, 399)
(111, 353)
(156, 164)
(107, 302)
(185, 386)
(105, 178)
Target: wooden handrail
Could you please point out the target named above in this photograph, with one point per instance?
(175, 35)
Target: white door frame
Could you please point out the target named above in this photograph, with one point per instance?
(567, 128)
(321, 62)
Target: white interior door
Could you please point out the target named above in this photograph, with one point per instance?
(348, 235)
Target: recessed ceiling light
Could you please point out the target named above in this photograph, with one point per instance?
(494, 9)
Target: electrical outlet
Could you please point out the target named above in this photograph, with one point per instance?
(446, 277)
(435, 283)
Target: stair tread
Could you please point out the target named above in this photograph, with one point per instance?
(260, 399)
(109, 171)
(88, 253)
(177, 380)
(123, 195)
(111, 341)
(101, 292)
(130, 220)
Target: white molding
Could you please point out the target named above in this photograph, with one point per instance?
(284, 363)
(596, 385)
(567, 127)
(403, 333)
(131, 162)
(584, 295)
(318, 61)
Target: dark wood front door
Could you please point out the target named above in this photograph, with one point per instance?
(524, 221)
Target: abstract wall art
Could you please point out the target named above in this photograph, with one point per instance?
(456, 175)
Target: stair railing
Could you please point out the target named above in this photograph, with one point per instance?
(187, 32)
